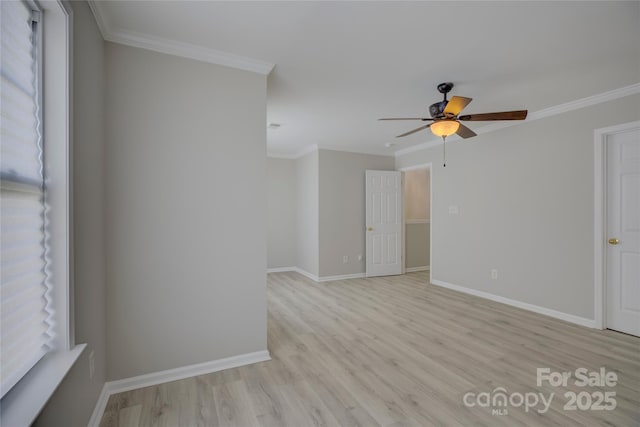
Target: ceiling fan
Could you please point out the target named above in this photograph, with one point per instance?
(445, 116)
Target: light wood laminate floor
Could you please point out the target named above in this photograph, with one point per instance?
(394, 351)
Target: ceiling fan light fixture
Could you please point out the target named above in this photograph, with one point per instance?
(445, 127)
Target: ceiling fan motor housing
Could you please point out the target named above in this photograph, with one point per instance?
(436, 110)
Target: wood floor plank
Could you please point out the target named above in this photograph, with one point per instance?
(393, 351)
(130, 416)
(266, 397)
(160, 407)
(206, 414)
(233, 405)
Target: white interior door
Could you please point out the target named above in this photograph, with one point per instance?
(623, 232)
(384, 223)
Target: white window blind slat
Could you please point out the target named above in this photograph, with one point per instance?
(19, 256)
(25, 313)
(19, 129)
(20, 284)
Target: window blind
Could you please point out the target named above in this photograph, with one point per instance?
(25, 293)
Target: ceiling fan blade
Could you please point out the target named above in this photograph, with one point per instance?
(414, 131)
(504, 115)
(465, 132)
(456, 104)
(408, 118)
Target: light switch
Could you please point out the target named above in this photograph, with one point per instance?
(453, 210)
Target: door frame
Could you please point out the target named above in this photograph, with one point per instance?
(428, 166)
(600, 217)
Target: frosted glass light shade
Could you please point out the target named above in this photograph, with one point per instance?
(444, 127)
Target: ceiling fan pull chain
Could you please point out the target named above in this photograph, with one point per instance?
(444, 152)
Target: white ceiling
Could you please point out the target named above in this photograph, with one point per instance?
(341, 65)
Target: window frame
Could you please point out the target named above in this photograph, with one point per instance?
(22, 404)
(19, 184)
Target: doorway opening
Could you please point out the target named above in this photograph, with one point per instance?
(417, 217)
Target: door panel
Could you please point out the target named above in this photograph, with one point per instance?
(623, 225)
(384, 223)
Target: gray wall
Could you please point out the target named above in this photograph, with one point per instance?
(186, 182)
(281, 213)
(307, 245)
(416, 245)
(342, 209)
(73, 402)
(525, 198)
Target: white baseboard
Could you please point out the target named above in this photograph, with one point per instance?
(280, 269)
(305, 273)
(333, 278)
(101, 405)
(414, 269)
(322, 278)
(589, 323)
(341, 277)
(154, 378)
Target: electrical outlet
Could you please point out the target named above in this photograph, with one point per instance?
(345, 259)
(494, 274)
(92, 364)
(359, 257)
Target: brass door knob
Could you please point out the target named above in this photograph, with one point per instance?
(613, 241)
(370, 229)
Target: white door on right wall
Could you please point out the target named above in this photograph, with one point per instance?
(623, 232)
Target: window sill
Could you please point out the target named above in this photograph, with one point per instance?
(22, 404)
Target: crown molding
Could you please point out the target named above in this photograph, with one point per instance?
(100, 17)
(191, 51)
(173, 47)
(588, 101)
